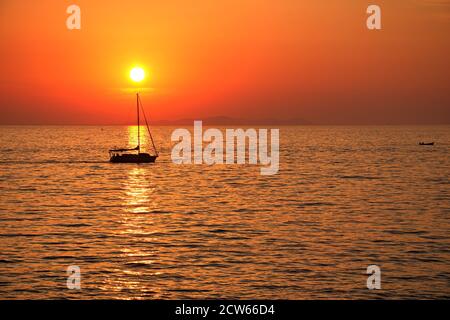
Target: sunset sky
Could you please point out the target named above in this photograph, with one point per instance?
(283, 59)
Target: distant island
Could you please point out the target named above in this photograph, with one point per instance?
(223, 120)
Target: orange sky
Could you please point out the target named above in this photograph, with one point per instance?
(281, 59)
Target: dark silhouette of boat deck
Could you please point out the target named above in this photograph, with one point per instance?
(133, 158)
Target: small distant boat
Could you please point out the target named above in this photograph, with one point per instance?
(426, 143)
(134, 155)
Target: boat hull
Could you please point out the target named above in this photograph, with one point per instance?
(426, 144)
(133, 158)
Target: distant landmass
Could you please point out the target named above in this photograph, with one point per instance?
(223, 120)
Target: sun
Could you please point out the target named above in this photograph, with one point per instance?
(137, 74)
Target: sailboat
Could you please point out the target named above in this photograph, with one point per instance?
(135, 155)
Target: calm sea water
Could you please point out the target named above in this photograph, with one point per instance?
(345, 198)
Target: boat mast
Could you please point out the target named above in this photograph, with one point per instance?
(139, 134)
(148, 128)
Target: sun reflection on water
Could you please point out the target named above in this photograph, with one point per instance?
(133, 137)
(137, 191)
(138, 228)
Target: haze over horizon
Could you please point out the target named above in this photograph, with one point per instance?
(282, 60)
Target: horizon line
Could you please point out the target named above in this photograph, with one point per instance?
(222, 124)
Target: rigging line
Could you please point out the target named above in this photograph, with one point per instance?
(148, 128)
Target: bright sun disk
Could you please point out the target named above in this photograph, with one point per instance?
(137, 74)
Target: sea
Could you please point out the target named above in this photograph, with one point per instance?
(345, 198)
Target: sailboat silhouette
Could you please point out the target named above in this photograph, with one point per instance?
(125, 155)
